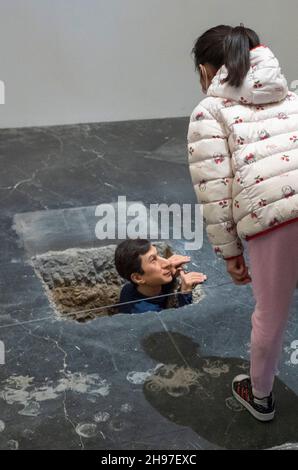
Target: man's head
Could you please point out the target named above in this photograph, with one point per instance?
(138, 262)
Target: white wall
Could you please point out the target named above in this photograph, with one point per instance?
(70, 61)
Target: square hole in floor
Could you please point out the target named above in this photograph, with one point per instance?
(82, 284)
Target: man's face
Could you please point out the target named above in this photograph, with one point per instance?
(157, 270)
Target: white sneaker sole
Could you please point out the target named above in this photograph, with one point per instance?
(256, 414)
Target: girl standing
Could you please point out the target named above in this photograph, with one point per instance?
(243, 156)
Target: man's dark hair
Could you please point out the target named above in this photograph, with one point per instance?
(127, 257)
(225, 45)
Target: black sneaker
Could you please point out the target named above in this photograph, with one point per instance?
(262, 409)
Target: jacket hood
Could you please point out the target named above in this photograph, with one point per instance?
(264, 82)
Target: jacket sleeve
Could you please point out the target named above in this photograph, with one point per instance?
(212, 176)
(184, 299)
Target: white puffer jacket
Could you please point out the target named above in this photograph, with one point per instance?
(243, 154)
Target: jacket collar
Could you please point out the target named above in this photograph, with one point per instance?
(264, 82)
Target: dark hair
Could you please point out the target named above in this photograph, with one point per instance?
(127, 257)
(225, 45)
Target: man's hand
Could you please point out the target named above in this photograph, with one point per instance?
(176, 262)
(189, 280)
(238, 270)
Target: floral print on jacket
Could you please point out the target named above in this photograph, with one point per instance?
(243, 154)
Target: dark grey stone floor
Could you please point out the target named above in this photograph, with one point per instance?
(152, 381)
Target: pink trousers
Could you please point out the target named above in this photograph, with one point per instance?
(274, 272)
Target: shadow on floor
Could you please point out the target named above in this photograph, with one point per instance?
(195, 391)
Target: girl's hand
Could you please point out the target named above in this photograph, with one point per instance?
(238, 270)
(189, 280)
